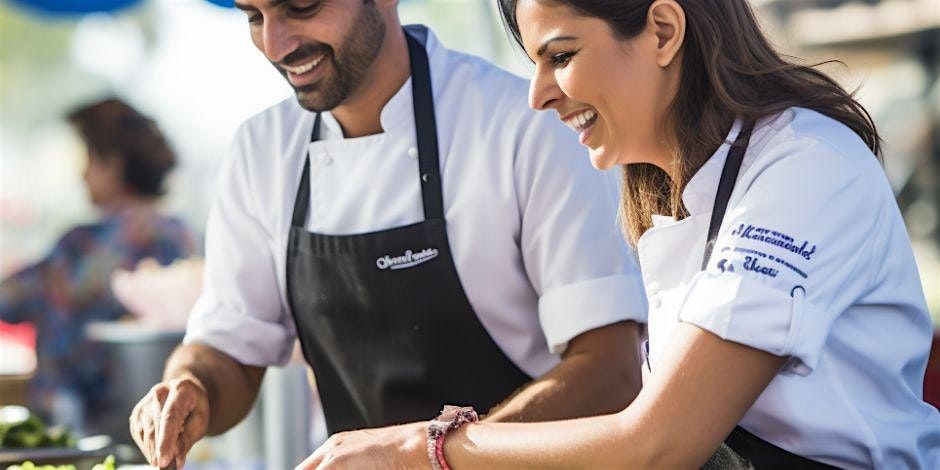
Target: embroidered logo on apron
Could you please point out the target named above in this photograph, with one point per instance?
(407, 260)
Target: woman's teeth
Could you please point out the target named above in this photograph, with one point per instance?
(304, 68)
(582, 121)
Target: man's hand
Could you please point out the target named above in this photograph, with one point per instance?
(169, 420)
(393, 447)
(175, 413)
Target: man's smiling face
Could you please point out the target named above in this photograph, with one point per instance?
(324, 48)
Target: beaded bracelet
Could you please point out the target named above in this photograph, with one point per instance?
(451, 418)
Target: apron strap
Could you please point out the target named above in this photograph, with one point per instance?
(763, 455)
(302, 200)
(426, 134)
(729, 174)
(426, 129)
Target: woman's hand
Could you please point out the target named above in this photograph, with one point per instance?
(393, 447)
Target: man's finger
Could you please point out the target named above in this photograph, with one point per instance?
(149, 437)
(134, 426)
(150, 409)
(193, 430)
(160, 392)
(187, 438)
(181, 451)
(151, 424)
(177, 408)
(137, 428)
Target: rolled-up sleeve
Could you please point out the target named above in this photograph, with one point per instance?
(574, 252)
(239, 311)
(790, 257)
(572, 309)
(752, 313)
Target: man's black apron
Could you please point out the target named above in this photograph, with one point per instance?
(742, 450)
(382, 317)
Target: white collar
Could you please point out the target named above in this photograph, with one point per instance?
(398, 113)
(699, 194)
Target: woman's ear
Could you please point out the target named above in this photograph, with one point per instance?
(666, 18)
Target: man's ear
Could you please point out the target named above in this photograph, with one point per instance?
(666, 19)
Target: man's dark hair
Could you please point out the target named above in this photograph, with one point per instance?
(112, 128)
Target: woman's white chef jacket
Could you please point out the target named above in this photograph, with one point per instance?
(812, 262)
(532, 226)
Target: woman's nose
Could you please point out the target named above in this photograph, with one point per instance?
(543, 91)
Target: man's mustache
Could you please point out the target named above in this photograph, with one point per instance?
(303, 52)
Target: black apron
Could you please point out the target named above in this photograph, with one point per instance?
(741, 449)
(382, 317)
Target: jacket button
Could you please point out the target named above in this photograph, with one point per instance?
(656, 302)
(413, 152)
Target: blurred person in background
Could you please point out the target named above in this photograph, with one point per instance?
(128, 160)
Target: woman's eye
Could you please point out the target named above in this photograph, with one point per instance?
(561, 59)
(254, 18)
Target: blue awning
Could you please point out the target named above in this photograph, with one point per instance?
(80, 7)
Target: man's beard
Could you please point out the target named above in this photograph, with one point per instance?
(356, 54)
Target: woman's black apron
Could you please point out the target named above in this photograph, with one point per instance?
(382, 317)
(743, 450)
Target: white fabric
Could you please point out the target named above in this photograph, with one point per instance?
(812, 262)
(531, 224)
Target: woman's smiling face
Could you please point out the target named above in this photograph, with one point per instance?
(613, 92)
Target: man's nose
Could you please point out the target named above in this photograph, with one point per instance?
(278, 39)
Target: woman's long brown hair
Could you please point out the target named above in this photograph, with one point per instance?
(729, 70)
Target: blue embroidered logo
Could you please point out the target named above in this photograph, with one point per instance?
(775, 238)
(724, 265)
(773, 258)
(752, 264)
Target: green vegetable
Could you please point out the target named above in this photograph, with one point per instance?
(108, 464)
(58, 436)
(27, 465)
(32, 432)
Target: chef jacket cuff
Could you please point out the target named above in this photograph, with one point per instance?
(755, 314)
(248, 340)
(569, 310)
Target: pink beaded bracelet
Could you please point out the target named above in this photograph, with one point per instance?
(451, 418)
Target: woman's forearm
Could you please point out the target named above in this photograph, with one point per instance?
(701, 388)
(597, 442)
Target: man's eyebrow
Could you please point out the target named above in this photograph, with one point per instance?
(272, 3)
(554, 39)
